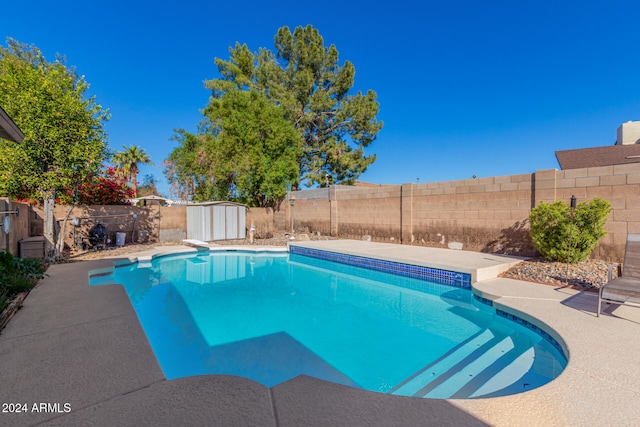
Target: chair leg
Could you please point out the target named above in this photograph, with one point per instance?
(599, 303)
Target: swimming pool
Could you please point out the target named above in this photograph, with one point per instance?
(271, 317)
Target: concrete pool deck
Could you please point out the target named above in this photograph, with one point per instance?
(81, 352)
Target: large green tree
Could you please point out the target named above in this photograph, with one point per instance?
(186, 168)
(129, 159)
(246, 151)
(305, 79)
(64, 132)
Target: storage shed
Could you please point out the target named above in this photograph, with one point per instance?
(211, 221)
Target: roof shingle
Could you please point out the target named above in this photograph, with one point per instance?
(598, 156)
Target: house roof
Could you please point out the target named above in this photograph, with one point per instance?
(598, 156)
(8, 129)
(151, 197)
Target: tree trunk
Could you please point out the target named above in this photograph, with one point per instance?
(134, 174)
(49, 228)
(134, 185)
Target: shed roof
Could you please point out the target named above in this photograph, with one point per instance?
(216, 202)
(8, 129)
(598, 156)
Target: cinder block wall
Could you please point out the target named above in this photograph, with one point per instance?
(371, 211)
(262, 219)
(172, 223)
(311, 212)
(620, 185)
(147, 220)
(486, 214)
(19, 225)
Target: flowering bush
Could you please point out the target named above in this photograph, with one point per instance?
(108, 188)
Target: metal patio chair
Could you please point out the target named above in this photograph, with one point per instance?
(626, 287)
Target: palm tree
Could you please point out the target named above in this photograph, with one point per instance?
(128, 160)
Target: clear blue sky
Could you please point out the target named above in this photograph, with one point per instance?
(483, 88)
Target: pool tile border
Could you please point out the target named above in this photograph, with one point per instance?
(445, 277)
(522, 322)
(538, 330)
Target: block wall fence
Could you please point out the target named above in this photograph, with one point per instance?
(485, 214)
(18, 227)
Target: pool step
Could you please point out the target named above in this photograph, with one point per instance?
(503, 372)
(433, 371)
(520, 365)
(482, 365)
(460, 375)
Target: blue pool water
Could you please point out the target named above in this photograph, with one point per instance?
(271, 317)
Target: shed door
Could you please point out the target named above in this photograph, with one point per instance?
(208, 223)
(219, 220)
(232, 222)
(199, 223)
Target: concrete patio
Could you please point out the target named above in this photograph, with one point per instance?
(83, 346)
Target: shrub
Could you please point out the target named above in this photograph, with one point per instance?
(17, 275)
(109, 187)
(15, 283)
(565, 236)
(30, 267)
(4, 299)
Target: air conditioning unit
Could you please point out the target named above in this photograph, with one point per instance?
(628, 133)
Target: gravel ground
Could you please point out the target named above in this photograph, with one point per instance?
(130, 248)
(277, 239)
(589, 274)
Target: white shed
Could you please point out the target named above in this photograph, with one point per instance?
(210, 221)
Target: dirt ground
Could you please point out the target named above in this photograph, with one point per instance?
(273, 239)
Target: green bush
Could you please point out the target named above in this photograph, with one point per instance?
(17, 275)
(4, 300)
(565, 236)
(30, 267)
(6, 262)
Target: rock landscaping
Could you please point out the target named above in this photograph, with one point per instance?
(589, 274)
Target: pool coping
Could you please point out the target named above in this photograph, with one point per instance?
(82, 344)
(479, 265)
